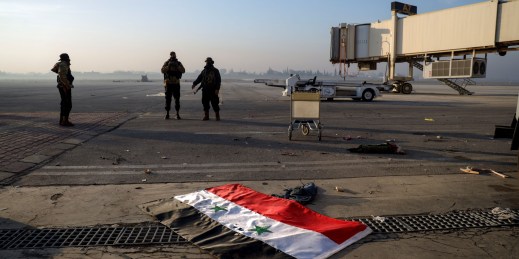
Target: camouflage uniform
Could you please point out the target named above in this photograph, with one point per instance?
(210, 83)
(172, 70)
(65, 80)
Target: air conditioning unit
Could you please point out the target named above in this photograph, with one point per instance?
(456, 68)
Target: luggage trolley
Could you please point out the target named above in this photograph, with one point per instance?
(305, 113)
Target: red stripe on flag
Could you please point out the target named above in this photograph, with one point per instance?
(289, 212)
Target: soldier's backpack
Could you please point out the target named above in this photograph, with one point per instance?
(210, 77)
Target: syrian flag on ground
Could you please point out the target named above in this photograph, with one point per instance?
(233, 221)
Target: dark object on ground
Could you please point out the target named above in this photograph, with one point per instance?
(303, 194)
(386, 148)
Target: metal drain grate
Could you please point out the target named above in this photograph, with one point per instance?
(159, 234)
(455, 220)
(96, 236)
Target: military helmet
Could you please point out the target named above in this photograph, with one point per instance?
(64, 56)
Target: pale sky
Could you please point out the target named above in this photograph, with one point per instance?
(137, 35)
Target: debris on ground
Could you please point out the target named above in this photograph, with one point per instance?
(498, 174)
(471, 170)
(378, 218)
(429, 119)
(303, 194)
(288, 154)
(147, 171)
(503, 214)
(339, 189)
(386, 148)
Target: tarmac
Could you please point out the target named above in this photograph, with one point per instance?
(33, 147)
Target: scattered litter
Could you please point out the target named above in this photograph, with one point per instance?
(138, 188)
(429, 119)
(439, 137)
(504, 213)
(147, 171)
(127, 150)
(468, 170)
(471, 170)
(303, 194)
(288, 154)
(498, 174)
(347, 137)
(337, 188)
(143, 180)
(1, 209)
(164, 157)
(209, 175)
(386, 148)
(378, 218)
(360, 137)
(264, 183)
(57, 164)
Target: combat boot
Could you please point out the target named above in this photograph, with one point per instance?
(206, 116)
(167, 116)
(66, 122)
(217, 114)
(178, 117)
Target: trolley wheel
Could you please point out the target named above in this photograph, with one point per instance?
(407, 88)
(290, 132)
(305, 129)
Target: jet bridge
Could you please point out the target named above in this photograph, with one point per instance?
(448, 45)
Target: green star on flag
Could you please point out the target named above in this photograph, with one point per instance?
(261, 230)
(217, 208)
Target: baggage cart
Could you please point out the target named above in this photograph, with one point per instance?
(305, 113)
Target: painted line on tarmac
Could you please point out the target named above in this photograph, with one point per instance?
(186, 165)
(240, 132)
(236, 168)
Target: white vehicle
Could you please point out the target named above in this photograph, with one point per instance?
(333, 89)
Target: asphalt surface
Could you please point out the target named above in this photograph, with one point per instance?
(122, 142)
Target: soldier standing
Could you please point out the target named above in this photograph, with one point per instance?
(210, 83)
(172, 70)
(65, 80)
